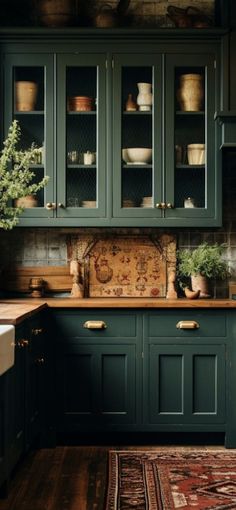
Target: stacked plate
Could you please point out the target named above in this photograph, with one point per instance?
(147, 202)
(89, 203)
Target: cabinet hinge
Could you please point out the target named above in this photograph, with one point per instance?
(215, 64)
(112, 64)
(106, 64)
(142, 355)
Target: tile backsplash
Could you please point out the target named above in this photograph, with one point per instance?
(52, 246)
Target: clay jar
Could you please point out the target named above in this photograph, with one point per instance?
(191, 93)
(56, 13)
(144, 98)
(26, 95)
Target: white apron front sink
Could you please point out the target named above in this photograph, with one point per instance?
(7, 347)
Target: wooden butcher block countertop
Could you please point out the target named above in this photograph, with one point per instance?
(14, 313)
(30, 305)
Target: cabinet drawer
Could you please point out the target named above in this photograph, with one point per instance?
(87, 325)
(186, 323)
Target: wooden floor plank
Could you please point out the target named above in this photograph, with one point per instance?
(63, 478)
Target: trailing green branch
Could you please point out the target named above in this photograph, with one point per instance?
(16, 177)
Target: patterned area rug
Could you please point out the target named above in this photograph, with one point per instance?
(195, 479)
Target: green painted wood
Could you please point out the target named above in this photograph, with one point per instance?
(35, 380)
(44, 61)
(16, 404)
(162, 51)
(178, 376)
(98, 385)
(122, 63)
(3, 430)
(210, 324)
(98, 63)
(118, 326)
(98, 372)
(207, 209)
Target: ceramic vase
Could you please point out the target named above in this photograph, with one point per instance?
(191, 93)
(26, 95)
(144, 98)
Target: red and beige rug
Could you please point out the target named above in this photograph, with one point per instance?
(170, 479)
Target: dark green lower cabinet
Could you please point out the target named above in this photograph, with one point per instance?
(3, 430)
(16, 402)
(98, 371)
(185, 384)
(24, 393)
(144, 373)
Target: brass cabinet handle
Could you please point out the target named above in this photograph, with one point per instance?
(40, 361)
(50, 206)
(95, 325)
(169, 205)
(187, 325)
(22, 343)
(37, 331)
(61, 205)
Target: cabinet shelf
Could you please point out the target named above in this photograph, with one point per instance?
(80, 166)
(93, 112)
(137, 112)
(183, 166)
(188, 113)
(31, 112)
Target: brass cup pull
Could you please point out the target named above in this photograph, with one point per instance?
(169, 205)
(50, 206)
(161, 205)
(187, 325)
(94, 325)
(40, 361)
(37, 331)
(22, 343)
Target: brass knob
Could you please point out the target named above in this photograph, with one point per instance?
(37, 331)
(50, 206)
(169, 205)
(22, 343)
(61, 205)
(161, 205)
(40, 361)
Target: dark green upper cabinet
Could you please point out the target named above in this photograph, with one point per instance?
(83, 121)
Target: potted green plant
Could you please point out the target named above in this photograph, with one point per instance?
(16, 177)
(200, 265)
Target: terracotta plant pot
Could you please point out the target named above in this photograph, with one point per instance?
(26, 95)
(200, 283)
(191, 93)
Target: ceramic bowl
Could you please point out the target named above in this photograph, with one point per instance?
(137, 155)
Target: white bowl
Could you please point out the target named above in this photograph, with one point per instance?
(137, 155)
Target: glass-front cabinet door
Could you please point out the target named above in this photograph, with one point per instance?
(137, 136)
(190, 155)
(29, 99)
(164, 158)
(81, 135)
